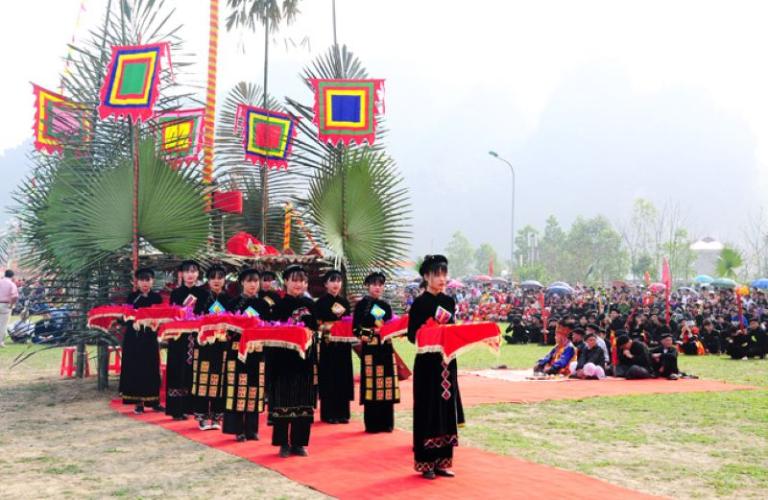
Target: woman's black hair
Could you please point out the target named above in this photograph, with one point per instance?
(332, 275)
(433, 264)
(189, 264)
(268, 276)
(144, 273)
(294, 270)
(375, 278)
(216, 271)
(245, 274)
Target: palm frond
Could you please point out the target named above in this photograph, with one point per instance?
(357, 199)
(250, 13)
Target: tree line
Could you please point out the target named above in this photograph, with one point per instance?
(595, 250)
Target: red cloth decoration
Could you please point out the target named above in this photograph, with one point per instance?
(153, 317)
(172, 330)
(451, 340)
(296, 338)
(394, 327)
(342, 331)
(230, 202)
(104, 317)
(214, 327)
(248, 245)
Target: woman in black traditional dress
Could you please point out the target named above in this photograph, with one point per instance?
(178, 376)
(337, 386)
(437, 410)
(208, 359)
(291, 390)
(244, 382)
(379, 389)
(266, 292)
(140, 372)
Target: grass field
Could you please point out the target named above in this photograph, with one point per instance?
(61, 435)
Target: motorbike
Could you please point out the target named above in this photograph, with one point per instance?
(55, 322)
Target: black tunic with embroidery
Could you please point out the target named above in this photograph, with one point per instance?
(272, 298)
(378, 372)
(437, 409)
(335, 377)
(292, 379)
(178, 377)
(140, 371)
(244, 382)
(208, 361)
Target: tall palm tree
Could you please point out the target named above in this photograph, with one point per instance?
(270, 14)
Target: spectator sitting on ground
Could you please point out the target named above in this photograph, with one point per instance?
(664, 358)
(690, 343)
(634, 358)
(710, 337)
(758, 338)
(591, 360)
(738, 344)
(518, 330)
(557, 362)
(577, 339)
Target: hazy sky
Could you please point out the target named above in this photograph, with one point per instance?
(594, 102)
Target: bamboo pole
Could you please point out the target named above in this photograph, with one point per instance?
(210, 95)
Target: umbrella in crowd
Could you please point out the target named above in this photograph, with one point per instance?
(760, 284)
(559, 290)
(455, 284)
(531, 284)
(687, 289)
(703, 279)
(723, 283)
(657, 287)
(482, 277)
(561, 283)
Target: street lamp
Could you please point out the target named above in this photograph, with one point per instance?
(512, 223)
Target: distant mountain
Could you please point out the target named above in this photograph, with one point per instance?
(14, 166)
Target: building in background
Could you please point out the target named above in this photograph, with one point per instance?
(707, 251)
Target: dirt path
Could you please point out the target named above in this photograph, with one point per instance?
(60, 439)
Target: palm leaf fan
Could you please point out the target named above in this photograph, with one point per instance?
(367, 227)
(98, 218)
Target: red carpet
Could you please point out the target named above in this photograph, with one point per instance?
(345, 462)
(476, 390)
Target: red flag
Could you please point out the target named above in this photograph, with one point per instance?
(666, 278)
(647, 278)
(666, 275)
(490, 266)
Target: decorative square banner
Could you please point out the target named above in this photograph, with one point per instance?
(132, 83)
(267, 135)
(346, 110)
(58, 121)
(180, 135)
